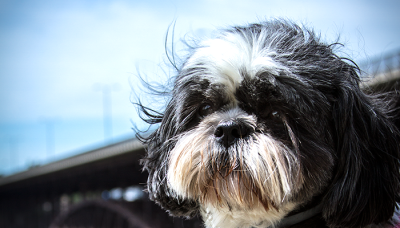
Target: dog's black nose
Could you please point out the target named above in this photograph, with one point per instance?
(228, 132)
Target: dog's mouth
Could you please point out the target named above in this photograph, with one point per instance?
(230, 183)
(254, 172)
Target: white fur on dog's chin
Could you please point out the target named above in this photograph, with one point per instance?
(272, 166)
(250, 218)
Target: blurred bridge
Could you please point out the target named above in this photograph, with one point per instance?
(102, 188)
(383, 73)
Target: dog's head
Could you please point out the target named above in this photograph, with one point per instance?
(264, 119)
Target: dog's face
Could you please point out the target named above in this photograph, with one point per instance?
(253, 135)
(263, 120)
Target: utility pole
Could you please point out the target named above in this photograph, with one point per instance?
(50, 138)
(106, 89)
(14, 159)
(50, 135)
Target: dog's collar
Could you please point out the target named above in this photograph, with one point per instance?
(299, 217)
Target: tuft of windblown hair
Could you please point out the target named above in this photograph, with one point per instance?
(339, 142)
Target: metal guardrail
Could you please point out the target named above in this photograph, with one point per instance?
(99, 213)
(381, 65)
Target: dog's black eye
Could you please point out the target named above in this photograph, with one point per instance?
(204, 110)
(275, 115)
(272, 115)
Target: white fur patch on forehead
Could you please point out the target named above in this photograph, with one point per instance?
(227, 59)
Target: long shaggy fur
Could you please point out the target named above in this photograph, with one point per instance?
(305, 134)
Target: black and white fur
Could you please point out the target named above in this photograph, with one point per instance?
(265, 121)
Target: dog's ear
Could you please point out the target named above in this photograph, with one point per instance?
(366, 182)
(159, 143)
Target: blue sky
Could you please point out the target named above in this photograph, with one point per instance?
(54, 54)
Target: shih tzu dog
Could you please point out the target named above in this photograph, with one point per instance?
(267, 127)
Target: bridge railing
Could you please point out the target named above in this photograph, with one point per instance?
(380, 65)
